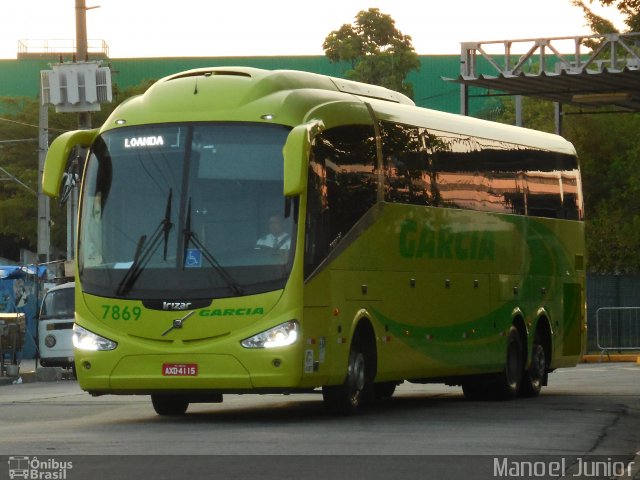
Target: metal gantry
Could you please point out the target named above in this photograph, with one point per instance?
(586, 70)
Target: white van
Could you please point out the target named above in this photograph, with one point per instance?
(55, 327)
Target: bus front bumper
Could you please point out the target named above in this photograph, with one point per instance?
(155, 373)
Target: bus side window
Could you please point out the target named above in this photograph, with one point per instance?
(317, 221)
(407, 169)
(343, 185)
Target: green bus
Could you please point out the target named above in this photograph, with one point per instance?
(252, 231)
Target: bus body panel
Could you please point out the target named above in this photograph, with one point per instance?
(441, 300)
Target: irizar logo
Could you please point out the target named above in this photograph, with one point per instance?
(176, 305)
(138, 142)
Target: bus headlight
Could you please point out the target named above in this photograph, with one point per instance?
(83, 339)
(279, 336)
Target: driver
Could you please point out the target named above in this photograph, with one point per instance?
(277, 238)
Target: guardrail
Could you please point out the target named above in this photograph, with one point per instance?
(61, 46)
(617, 329)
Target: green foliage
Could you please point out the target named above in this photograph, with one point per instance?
(19, 157)
(535, 113)
(18, 205)
(596, 23)
(378, 52)
(609, 150)
(629, 8)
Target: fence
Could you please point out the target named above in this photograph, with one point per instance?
(613, 313)
(618, 328)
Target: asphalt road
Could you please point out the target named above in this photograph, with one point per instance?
(591, 411)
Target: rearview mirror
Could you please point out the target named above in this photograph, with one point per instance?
(296, 156)
(58, 155)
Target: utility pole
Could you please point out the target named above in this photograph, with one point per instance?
(81, 31)
(82, 52)
(76, 87)
(44, 212)
(84, 123)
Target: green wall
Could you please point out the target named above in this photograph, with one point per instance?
(22, 77)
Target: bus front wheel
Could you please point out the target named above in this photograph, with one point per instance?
(348, 397)
(169, 404)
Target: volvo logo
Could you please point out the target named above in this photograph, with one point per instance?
(177, 323)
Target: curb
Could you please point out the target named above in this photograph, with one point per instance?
(24, 377)
(41, 374)
(606, 358)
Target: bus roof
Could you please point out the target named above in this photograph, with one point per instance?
(461, 125)
(291, 97)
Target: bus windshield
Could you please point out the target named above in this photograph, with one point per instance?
(189, 211)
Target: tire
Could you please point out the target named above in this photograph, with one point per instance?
(347, 398)
(507, 383)
(534, 377)
(172, 405)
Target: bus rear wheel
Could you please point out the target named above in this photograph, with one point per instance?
(349, 397)
(507, 383)
(534, 377)
(169, 404)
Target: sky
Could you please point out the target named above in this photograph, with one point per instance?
(214, 28)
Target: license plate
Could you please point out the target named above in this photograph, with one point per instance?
(180, 369)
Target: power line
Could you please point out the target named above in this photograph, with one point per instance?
(19, 140)
(443, 94)
(8, 120)
(17, 180)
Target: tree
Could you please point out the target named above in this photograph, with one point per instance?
(610, 155)
(378, 52)
(18, 205)
(629, 8)
(19, 156)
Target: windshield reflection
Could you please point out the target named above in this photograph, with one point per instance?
(178, 211)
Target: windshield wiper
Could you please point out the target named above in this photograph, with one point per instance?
(144, 250)
(191, 237)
